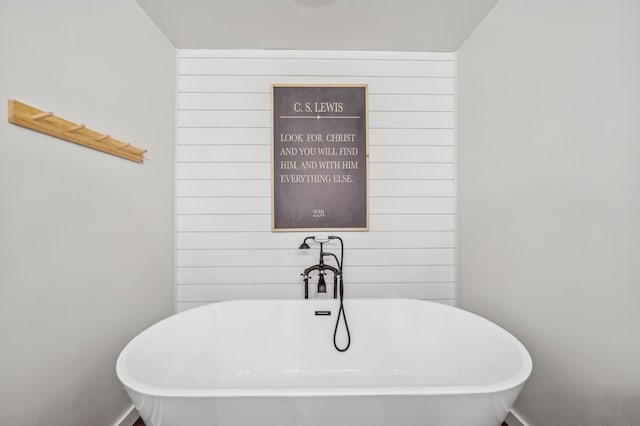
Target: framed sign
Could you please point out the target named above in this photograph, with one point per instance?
(320, 157)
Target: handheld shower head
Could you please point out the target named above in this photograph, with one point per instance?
(304, 245)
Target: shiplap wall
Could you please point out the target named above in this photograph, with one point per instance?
(225, 247)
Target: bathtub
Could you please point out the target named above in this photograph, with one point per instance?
(273, 363)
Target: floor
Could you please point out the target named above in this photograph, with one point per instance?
(139, 422)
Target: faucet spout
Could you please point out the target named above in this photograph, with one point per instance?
(322, 286)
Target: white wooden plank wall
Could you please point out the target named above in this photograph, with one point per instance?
(225, 247)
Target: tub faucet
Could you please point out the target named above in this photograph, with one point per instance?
(322, 285)
(338, 283)
(321, 267)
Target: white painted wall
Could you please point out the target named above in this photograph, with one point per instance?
(86, 241)
(226, 249)
(549, 199)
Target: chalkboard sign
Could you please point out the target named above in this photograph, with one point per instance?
(320, 157)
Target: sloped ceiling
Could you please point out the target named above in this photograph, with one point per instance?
(396, 25)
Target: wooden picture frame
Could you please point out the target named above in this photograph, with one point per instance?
(320, 157)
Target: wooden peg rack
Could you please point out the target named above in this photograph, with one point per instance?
(48, 123)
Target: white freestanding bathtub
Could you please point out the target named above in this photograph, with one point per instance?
(273, 363)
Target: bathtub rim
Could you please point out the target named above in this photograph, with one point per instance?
(514, 382)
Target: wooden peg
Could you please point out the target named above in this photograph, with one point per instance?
(33, 118)
(42, 115)
(76, 128)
